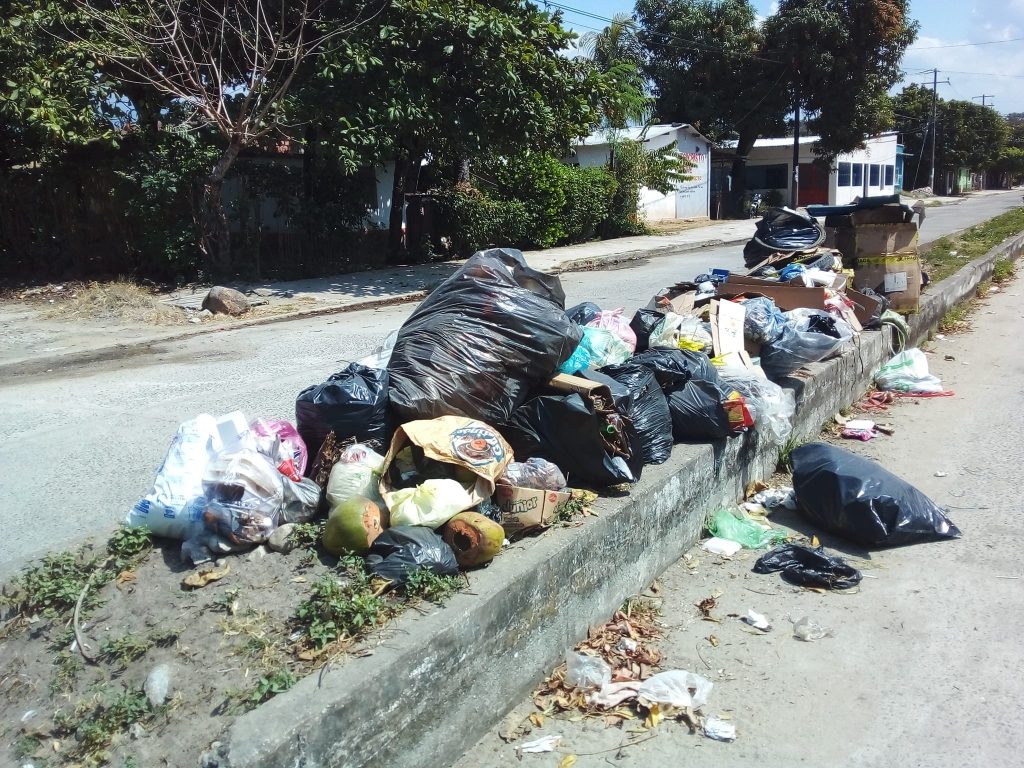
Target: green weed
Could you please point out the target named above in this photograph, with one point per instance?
(1003, 270)
(94, 724)
(946, 255)
(424, 584)
(127, 547)
(340, 610)
(786, 454)
(956, 318)
(128, 648)
(577, 504)
(52, 587)
(271, 685)
(66, 666)
(307, 535)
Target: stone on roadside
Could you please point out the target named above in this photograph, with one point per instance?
(226, 301)
(279, 540)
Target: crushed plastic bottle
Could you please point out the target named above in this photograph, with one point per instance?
(808, 630)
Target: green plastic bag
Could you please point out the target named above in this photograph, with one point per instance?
(725, 524)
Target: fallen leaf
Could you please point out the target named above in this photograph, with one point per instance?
(713, 640)
(537, 719)
(202, 578)
(299, 579)
(654, 716)
(814, 542)
(568, 761)
(126, 577)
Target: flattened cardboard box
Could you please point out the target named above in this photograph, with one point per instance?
(876, 240)
(525, 508)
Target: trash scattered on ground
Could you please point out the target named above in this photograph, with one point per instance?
(543, 744)
(585, 673)
(719, 730)
(771, 498)
(717, 546)
(942, 474)
(757, 620)
(908, 372)
(808, 630)
(808, 567)
(735, 525)
(858, 429)
(855, 498)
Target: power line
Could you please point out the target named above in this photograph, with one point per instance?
(963, 45)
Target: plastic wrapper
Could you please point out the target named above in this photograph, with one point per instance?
(666, 334)
(676, 688)
(381, 356)
(352, 403)
(735, 526)
(694, 334)
(402, 550)
(167, 510)
(643, 324)
(482, 341)
(857, 499)
(647, 409)
(598, 347)
(907, 372)
(764, 322)
(809, 336)
(584, 313)
(244, 480)
(287, 436)
(538, 474)
(771, 406)
(568, 431)
(240, 526)
(586, 673)
(356, 473)
(301, 500)
(432, 503)
(613, 320)
(808, 567)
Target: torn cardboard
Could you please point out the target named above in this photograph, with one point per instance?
(524, 509)
(896, 276)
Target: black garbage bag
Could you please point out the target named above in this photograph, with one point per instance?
(583, 313)
(484, 339)
(401, 550)
(353, 403)
(647, 409)
(694, 390)
(567, 431)
(782, 230)
(859, 500)
(643, 324)
(809, 567)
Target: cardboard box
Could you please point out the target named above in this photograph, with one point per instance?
(525, 508)
(895, 276)
(877, 240)
(565, 384)
(864, 306)
(785, 296)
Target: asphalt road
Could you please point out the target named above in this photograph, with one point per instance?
(922, 668)
(79, 448)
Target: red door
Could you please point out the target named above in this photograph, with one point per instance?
(813, 184)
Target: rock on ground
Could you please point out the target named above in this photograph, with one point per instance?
(226, 301)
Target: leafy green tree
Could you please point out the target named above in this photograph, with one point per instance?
(715, 65)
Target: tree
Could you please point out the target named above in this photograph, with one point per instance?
(617, 53)
(231, 64)
(715, 65)
(452, 80)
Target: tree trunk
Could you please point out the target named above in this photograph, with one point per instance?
(215, 234)
(462, 177)
(739, 174)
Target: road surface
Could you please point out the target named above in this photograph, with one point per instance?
(923, 668)
(80, 448)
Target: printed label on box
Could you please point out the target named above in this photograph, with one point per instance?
(895, 281)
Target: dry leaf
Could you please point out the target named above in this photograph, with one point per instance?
(814, 542)
(202, 578)
(713, 640)
(537, 719)
(568, 761)
(654, 717)
(126, 577)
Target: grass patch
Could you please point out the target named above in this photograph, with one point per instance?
(956, 319)
(338, 610)
(117, 300)
(427, 585)
(94, 724)
(785, 465)
(947, 254)
(131, 647)
(1003, 271)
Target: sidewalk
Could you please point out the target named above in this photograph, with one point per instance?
(35, 343)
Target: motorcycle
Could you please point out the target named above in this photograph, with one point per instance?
(755, 205)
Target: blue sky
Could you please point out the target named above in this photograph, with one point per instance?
(948, 28)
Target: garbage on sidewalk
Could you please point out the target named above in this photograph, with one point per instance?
(808, 567)
(857, 499)
(907, 372)
(735, 525)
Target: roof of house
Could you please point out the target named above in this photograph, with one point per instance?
(642, 133)
(787, 141)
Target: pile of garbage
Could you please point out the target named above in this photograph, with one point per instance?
(469, 424)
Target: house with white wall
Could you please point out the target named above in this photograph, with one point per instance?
(865, 172)
(689, 199)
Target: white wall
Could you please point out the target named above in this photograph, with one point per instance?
(381, 212)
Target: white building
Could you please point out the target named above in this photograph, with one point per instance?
(690, 199)
(865, 172)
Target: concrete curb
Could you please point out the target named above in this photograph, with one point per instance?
(64, 362)
(436, 683)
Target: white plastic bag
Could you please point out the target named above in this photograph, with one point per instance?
(907, 372)
(613, 320)
(166, 510)
(666, 333)
(676, 688)
(432, 503)
(586, 673)
(381, 356)
(356, 473)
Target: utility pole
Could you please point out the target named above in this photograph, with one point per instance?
(983, 97)
(794, 195)
(935, 91)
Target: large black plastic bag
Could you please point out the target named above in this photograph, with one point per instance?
(694, 390)
(859, 500)
(566, 430)
(643, 324)
(399, 551)
(352, 403)
(481, 341)
(803, 341)
(809, 567)
(583, 313)
(647, 408)
(782, 230)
